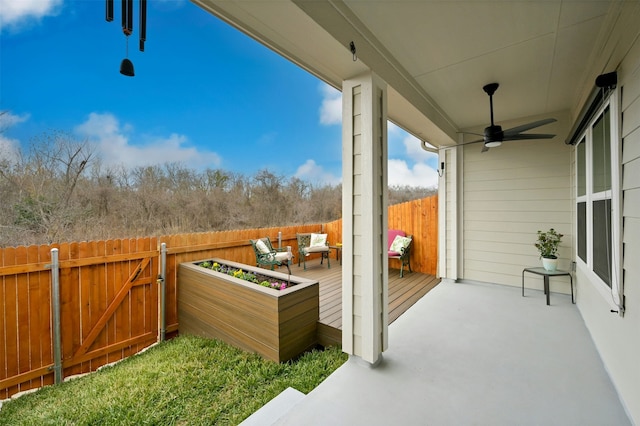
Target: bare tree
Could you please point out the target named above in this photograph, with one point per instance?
(60, 191)
(44, 182)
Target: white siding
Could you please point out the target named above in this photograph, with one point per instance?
(364, 296)
(618, 338)
(511, 192)
(449, 189)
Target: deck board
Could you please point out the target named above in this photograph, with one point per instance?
(403, 293)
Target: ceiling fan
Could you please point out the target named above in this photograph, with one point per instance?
(494, 135)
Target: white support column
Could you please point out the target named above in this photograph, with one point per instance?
(443, 260)
(364, 211)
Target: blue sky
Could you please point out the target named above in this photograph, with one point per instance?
(204, 94)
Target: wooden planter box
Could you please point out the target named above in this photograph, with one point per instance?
(277, 324)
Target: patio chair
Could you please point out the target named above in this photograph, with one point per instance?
(313, 243)
(266, 255)
(400, 248)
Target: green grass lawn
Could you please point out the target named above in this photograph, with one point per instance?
(184, 381)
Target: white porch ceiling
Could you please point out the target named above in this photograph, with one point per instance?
(437, 54)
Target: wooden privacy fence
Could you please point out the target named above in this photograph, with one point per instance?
(418, 218)
(109, 292)
(109, 299)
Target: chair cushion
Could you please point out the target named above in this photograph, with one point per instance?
(282, 256)
(318, 240)
(399, 244)
(392, 234)
(319, 249)
(262, 247)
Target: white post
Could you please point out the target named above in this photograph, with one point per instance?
(364, 204)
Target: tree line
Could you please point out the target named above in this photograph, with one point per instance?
(60, 191)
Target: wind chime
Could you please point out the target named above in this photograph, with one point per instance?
(126, 67)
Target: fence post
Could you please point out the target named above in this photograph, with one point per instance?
(55, 310)
(163, 286)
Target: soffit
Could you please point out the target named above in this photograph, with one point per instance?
(437, 55)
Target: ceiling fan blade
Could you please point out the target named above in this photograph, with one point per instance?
(471, 133)
(528, 136)
(525, 127)
(471, 142)
(466, 143)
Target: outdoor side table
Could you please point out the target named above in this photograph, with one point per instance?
(546, 274)
(338, 252)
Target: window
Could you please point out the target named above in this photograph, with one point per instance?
(597, 197)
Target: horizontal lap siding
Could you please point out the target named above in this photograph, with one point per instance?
(620, 336)
(510, 193)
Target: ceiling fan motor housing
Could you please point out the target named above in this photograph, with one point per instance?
(493, 136)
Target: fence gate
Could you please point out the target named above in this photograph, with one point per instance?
(108, 310)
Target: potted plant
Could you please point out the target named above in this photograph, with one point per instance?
(547, 245)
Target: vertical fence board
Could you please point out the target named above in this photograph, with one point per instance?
(45, 326)
(84, 297)
(22, 293)
(65, 310)
(98, 299)
(34, 312)
(75, 306)
(124, 310)
(111, 248)
(10, 316)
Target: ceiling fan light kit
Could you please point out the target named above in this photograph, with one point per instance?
(494, 135)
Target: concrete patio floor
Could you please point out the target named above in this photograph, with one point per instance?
(473, 354)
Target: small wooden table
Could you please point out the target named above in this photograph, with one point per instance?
(338, 252)
(546, 274)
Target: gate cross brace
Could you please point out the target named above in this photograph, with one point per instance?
(122, 293)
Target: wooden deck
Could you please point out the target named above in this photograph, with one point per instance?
(403, 293)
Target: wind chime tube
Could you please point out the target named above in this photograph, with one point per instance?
(143, 23)
(124, 14)
(109, 11)
(129, 16)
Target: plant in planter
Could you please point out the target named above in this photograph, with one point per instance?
(547, 245)
(260, 279)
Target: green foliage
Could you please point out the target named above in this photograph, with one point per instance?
(187, 380)
(31, 213)
(259, 279)
(548, 243)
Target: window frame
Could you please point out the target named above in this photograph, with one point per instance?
(614, 194)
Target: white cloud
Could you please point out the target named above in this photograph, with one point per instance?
(10, 148)
(312, 172)
(14, 13)
(400, 174)
(414, 150)
(8, 120)
(331, 108)
(115, 148)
